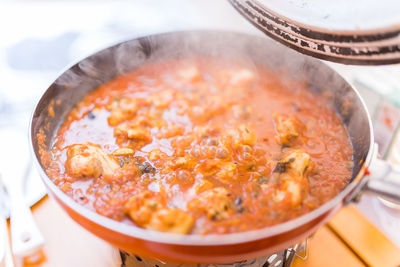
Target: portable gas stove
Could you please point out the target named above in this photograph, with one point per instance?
(282, 258)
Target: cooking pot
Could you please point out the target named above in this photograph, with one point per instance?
(369, 173)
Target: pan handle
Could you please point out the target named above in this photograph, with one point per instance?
(384, 180)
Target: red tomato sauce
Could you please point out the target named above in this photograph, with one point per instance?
(202, 146)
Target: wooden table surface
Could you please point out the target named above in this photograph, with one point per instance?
(347, 240)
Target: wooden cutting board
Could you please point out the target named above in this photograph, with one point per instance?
(349, 239)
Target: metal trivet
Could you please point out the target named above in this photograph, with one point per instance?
(280, 259)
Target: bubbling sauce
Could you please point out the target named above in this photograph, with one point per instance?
(199, 146)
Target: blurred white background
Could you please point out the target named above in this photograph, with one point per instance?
(38, 39)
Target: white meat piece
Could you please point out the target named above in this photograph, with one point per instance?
(89, 160)
(147, 210)
(171, 220)
(292, 172)
(287, 128)
(214, 202)
(123, 109)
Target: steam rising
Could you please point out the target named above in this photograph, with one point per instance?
(252, 51)
(249, 51)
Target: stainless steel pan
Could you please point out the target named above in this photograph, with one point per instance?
(86, 75)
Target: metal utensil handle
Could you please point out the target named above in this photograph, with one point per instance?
(6, 259)
(25, 236)
(384, 180)
(3, 241)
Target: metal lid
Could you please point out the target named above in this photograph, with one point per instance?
(362, 32)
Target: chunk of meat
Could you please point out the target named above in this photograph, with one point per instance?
(243, 135)
(227, 173)
(171, 220)
(89, 160)
(124, 109)
(298, 163)
(156, 154)
(141, 207)
(214, 203)
(287, 128)
(185, 162)
(124, 151)
(292, 171)
(147, 210)
(139, 134)
(248, 136)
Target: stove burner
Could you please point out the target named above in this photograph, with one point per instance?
(280, 259)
